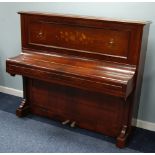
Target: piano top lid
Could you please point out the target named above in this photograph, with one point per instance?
(104, 19)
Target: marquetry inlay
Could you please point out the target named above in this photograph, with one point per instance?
(41, 35)
(111, 42)
(74, 37)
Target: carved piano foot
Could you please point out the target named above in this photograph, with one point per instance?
(23, 109)
(122, 138)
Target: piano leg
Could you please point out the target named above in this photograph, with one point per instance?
(122, 138)
(126, 122)
(24, 107)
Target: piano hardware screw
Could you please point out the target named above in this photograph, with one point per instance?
(65, 122)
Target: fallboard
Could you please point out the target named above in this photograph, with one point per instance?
(85, 37)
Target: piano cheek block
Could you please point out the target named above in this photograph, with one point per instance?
(81, 71)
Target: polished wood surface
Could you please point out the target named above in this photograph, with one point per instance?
(110, 78)
(92, 38)
(85, 70)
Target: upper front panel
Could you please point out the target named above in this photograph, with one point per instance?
(82, 37)
(93, 40)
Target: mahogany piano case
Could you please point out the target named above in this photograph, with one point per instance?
(84, 71)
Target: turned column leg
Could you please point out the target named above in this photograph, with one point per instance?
(24, 107)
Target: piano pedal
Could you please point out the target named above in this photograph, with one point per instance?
(73, 124)
(66, 122)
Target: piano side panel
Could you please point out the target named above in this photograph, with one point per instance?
(140, 68)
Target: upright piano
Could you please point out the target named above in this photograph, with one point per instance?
(83, 71)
